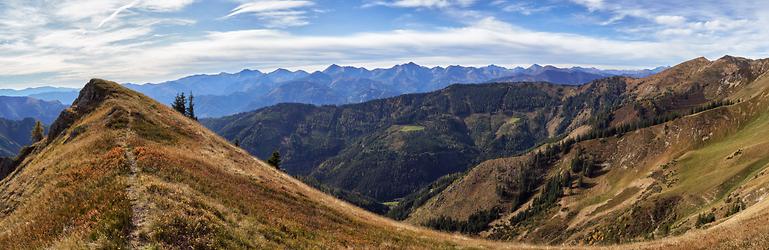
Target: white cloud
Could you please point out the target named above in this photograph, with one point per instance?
(591, 4)
(117, 12)
(707, 23)
(488, 40)
(283, 13)
(670, 20)
(38, 37)
(520, 7)
(424, 3)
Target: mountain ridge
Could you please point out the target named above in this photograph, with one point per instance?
(346, 84)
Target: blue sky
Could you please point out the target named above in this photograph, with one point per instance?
(67, 42)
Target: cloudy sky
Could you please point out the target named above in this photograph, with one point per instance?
(66, 42)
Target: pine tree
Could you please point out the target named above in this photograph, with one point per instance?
(191, 107)
(180, 103)
(274, 160)
(37, 132)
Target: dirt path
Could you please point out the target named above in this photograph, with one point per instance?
(138, 205)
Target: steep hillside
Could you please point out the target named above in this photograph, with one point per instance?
(119, 170)
(18, 108)
(698, 171)
(391, 147)
(691, 84)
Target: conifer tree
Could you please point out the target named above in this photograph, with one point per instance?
(274, 160)
(180, 103)
(37, 132)
(191, 107)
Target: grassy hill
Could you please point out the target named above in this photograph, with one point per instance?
(699, 171)
(120, 170)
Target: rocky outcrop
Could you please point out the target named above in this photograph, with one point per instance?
(91, 96)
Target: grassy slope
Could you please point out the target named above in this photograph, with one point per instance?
(686, 159)
(193, 189)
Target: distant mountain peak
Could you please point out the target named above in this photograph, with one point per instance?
(410, 65)
(280, 71)
(333, 67)
(249, 71)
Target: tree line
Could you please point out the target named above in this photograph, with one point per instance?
(607, 131)
(476, 223)
(185, 105)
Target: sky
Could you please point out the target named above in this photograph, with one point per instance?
(67, 42)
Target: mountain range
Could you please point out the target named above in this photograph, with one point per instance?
(231, 93)
(227, 94)
(120, 170)
(46, 93)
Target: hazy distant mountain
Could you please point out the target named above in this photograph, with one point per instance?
(572, 76)
(14, 135)
(19, 107)
(63, 97)
(34, 91)
(230, 93)
(222, 84)
(226, 94)
(61, 94)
